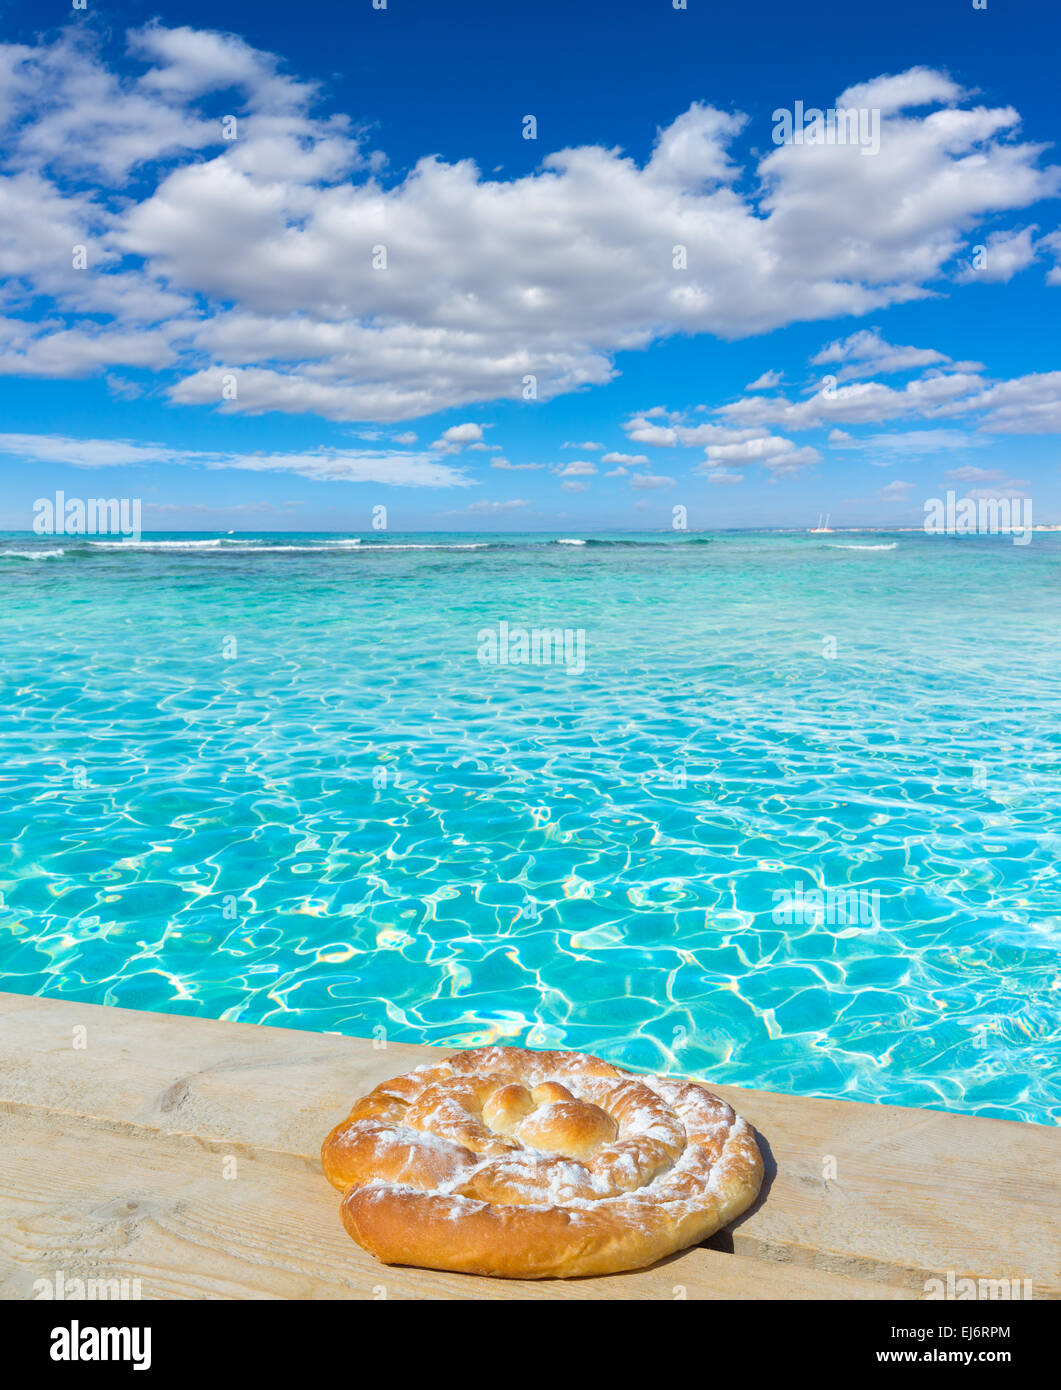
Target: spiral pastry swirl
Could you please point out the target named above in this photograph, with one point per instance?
(528, 1165)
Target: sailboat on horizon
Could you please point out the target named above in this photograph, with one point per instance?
(821, 530)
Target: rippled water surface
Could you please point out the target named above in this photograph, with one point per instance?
(271, 780)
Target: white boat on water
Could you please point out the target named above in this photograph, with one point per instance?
(821, 530)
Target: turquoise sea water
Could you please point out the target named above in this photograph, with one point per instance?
(270, 779)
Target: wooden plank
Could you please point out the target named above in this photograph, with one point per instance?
(117, 1201)
(190, 1075)
(915, 1193)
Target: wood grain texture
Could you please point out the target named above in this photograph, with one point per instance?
(140, 1119)
(120, 1201)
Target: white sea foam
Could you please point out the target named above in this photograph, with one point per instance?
(253, 545)
(569, 541)
(261, 542)
(154, 545)
(838, 545)
(32, 554)
(264, 548)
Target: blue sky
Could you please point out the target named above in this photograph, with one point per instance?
(755, 331)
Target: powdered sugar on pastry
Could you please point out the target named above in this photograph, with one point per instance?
(529, 1164)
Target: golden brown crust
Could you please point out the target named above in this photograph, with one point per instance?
(528, 1164)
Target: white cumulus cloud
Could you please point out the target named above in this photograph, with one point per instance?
(288, 260)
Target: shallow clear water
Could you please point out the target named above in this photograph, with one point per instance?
(277, 784)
